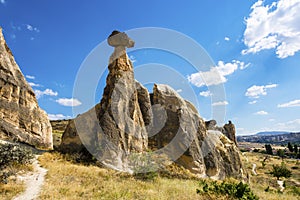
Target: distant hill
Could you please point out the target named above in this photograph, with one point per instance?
(272, 133)
(271, 137)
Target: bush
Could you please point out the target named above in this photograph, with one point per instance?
(231, 189)
(280, 171)
(10, 155)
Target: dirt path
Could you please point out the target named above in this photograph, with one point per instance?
(34, 181)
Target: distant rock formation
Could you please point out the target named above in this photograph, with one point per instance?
(129, 119)
(21, 119)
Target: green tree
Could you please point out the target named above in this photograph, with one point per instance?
(290, 147)
(269, 149)
(280, 153)
(296, 148)
(280, 171)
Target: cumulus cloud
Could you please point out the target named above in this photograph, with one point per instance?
(48, 92)
(68, 102)
(30, 77)
(205, 93)
(226, 38)
(34, 84)
(262, 112)
(58, 116)
(252, 102)
(216, 75)
(295, 103)
(257, 91)
(220, 103)
(274, 26)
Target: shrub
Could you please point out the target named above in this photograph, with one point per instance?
(280, 171)
(231, 189)
(10, 155)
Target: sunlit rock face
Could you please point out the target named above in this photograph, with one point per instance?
(129, 120)
(21, 118)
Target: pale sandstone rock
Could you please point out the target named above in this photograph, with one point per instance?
(21, 118)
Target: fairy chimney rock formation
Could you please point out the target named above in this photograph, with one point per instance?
(129, 120)
(21, 118)
(119, 127)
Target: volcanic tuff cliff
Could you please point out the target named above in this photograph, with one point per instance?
(21, 118)
(130, 120)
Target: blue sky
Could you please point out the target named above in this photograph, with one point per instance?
(254, 44)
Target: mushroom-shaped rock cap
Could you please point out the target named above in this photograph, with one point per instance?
(117, 38)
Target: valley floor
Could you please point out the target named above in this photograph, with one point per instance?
(68, 180)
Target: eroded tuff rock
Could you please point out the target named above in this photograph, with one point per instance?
(21, 118)
(117, 124)
(129, 119)
(229, 131)
(184, 138)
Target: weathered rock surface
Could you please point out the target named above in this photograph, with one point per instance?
(129, 119)
(118, 121)
(21, 118)
(185, 140)
(229, 131)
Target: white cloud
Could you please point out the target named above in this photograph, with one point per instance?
(205, 93)
(48, 92)
(257, 91)
(253, 102)
(132, 58)
(30, 77)
(293, 126)
(295, 103)
(220, 103)
(271, 120)
(274, 26)
(68, 102)
(262, 112)
(179, 90)
(32, 28)
(216, 75)
(226, 38)
(34, 84)
(58, 116)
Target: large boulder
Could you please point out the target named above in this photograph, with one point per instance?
(21, 119)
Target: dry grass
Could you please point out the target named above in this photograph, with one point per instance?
(263, 179)
(66, 180)
(14, 186)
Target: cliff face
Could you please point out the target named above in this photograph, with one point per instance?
(130, 120)
(21, 118)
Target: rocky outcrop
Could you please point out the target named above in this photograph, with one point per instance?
(120, 123)
(129, 120)
(184, 138)
(21, 118)
(229, 131)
